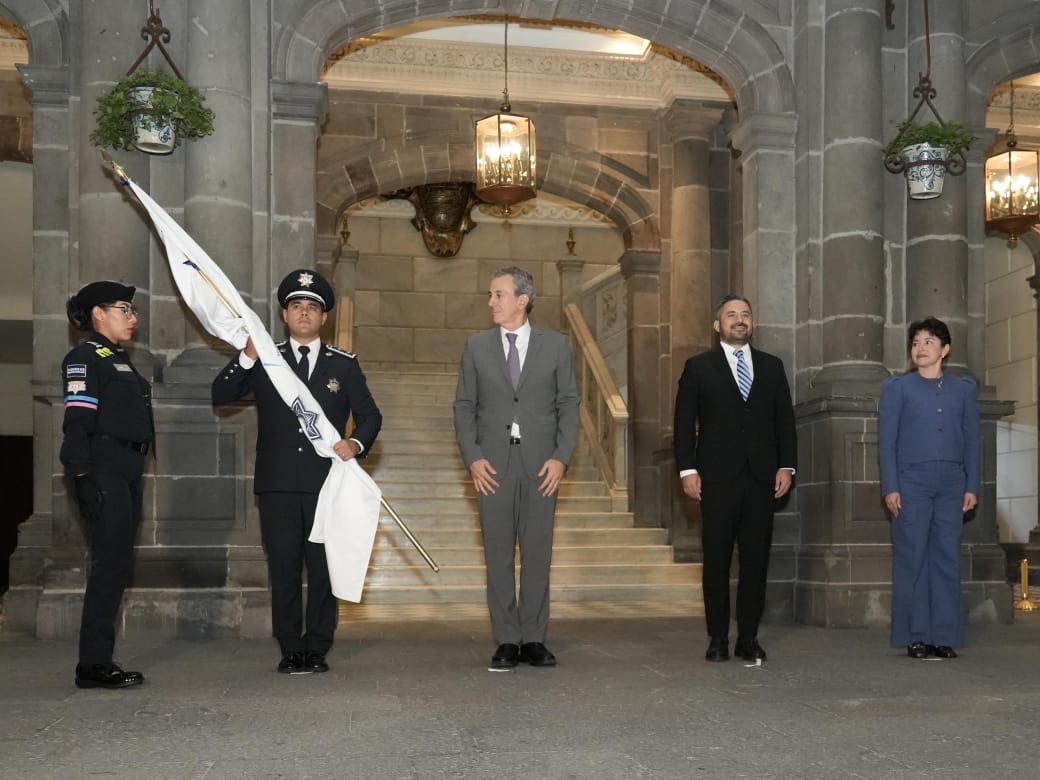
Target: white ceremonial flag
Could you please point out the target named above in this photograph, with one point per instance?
(348, 505)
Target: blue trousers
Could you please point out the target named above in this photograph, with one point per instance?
(926, 581)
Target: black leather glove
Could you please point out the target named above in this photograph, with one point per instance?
(88, 497)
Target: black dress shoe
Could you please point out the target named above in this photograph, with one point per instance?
(293, 663)
(506, 657)
(718, 650)
(749, 649)
(315, 661)
(105, 676)
(944, 651)
(918, 650)
(536, 654)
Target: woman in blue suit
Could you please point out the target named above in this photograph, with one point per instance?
(929, 441)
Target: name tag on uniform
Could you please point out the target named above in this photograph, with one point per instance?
(122, 367)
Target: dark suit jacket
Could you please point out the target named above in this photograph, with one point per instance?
(545, 404)
(285, 458)
(717, 432)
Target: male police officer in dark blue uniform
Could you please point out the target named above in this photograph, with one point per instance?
(289, 473)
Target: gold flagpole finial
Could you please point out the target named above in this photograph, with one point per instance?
(117, 169)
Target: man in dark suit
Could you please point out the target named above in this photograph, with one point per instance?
(516, 420)
(289, 473)
(736, 449)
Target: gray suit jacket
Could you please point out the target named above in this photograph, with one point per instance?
(545, 404)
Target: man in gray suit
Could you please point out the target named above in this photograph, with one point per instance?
(516, 420)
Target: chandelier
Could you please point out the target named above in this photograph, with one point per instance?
(1012, 174)
(505, 151)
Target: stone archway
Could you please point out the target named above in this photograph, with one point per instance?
(578, 175)
(718, 34)
(1010, 49)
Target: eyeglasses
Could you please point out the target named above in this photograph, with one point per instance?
(128, 310)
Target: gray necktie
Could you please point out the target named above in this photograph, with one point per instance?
(513, 360)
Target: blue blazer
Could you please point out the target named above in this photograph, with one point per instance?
(919, 421)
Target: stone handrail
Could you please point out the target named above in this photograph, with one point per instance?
(604, 415)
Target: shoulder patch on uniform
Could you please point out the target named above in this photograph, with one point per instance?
(352, 355)
(75, 369)
(104, 352)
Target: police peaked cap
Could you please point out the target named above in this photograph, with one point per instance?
(80, 305)
(305, 283)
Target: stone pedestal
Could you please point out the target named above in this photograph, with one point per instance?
(844, 576)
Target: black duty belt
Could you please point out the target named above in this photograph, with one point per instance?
(136, 446)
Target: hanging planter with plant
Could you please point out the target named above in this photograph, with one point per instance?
(151, 111)
(924, 153)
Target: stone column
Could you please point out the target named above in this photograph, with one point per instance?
(689, 302)
(853, 269)
(110, 238)
(297, 109)
(691, 278)
(766, 145)
(642, 272)
(49, 92)
(218, 175)
(937, 244)
(844, 535)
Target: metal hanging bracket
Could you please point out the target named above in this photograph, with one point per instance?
(158, 34)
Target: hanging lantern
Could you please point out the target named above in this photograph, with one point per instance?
(1012, 175)
(505, 151)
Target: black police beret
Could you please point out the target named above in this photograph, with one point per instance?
(305, 283)
(94, 294)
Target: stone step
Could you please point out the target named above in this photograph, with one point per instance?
(563, 536)
(452, 520)
(656, 554)
(397, 424)
(442, 448)
(564, 574)
(677, 607)
(406, 378)
(397, 489)
(407, 468)
(558, 592)
(412, 506)
(428, 396)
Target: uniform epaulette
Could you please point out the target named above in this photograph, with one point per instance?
(330, 348)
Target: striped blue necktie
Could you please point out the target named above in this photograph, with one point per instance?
(743, 374)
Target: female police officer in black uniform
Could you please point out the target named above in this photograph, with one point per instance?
(108, 430)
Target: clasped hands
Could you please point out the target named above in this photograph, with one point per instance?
(483, 474)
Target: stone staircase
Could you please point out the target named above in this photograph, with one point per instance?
(601, 561)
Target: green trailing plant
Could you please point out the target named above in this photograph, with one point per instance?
(173, 100)
(953, 136)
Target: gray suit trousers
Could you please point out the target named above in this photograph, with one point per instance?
(517, 511)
